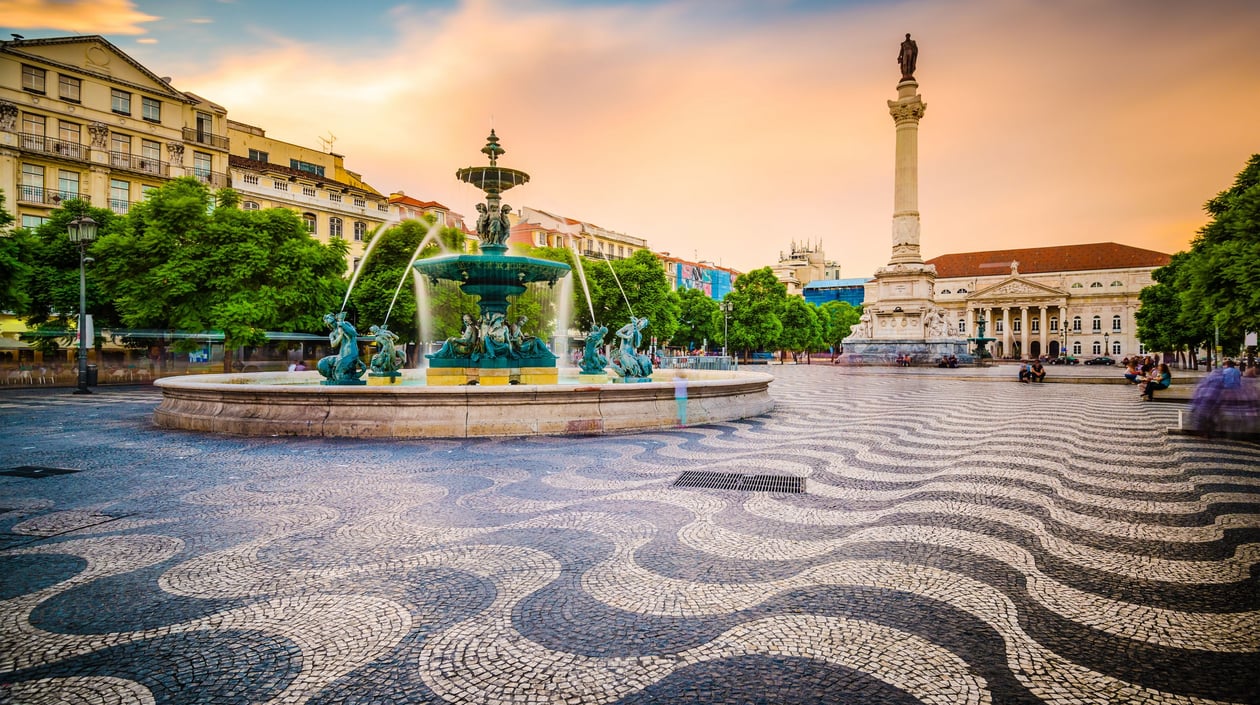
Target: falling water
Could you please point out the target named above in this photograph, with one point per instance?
(424, 316)
(577, 259)
(431, 235)
(618, 280)
(564, 318)
(380, 230)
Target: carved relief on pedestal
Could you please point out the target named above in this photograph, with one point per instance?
(100, 135)
(8, 116)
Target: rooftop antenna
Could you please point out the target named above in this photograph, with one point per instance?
(326, 143)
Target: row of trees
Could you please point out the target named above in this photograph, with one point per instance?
(187, 259)
(1211, 292)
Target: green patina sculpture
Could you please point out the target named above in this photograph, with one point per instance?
(594, 361)
(344, 366)
(627, 360)
(388, 358)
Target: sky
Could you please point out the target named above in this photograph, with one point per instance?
(726, 130)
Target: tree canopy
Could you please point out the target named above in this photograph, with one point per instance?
(177, 262)
(757, 303)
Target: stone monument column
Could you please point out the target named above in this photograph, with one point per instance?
(906, 112)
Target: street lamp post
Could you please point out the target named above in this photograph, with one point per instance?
(82, 231)
(1107, 344)
(726, 310)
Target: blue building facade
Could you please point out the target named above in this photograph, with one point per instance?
(852, 291)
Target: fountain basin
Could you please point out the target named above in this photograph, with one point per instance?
(293, 404)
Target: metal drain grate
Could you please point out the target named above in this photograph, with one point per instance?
(741, 483)
(36, 471)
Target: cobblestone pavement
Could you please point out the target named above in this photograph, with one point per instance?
(956, 543)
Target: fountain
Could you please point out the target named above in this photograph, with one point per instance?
(491, 380)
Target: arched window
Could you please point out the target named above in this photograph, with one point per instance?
(962, 291)
(1054, 323)
(1117, 283)
(1115, 323)
(1016, 325)
(1115, 348)
(997, 326)
(309, 220)
(360, 230)
(1076, 324)
(1076, 347)
(249, 206)
(1096, 285)
(1077, 285)
(1097, 348)
(1097, 324)
(945, 291)
(1035, 325)
(334, 228)
(962, 325)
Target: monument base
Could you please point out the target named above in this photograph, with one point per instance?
(383, 379)
(922, 352)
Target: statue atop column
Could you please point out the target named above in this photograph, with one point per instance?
(907, 58)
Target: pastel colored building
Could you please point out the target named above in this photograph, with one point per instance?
(715, 281)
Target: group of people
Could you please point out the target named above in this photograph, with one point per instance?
(1226, 402)
(492, 336)
(904, 360)
(1148, 375)
(1030, 372)
(950, 361)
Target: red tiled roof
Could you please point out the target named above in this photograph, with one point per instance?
(417, 203)
(1037, 260)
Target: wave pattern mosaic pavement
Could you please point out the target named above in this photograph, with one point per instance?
(957, 542)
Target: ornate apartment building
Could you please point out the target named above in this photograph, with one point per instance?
(81, 119)
(334, 202)
(542, 229)
(802, 264)
(1041, 300)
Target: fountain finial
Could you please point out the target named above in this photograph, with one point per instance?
(492, 148)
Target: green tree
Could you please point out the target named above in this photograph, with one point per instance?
(757, 301)
(176, 263)
(1163, 322)
(699, 320)
(1221, 278)
(838, 319)
(642, 278)
(801, 329)
(15, 270)
(51, 305)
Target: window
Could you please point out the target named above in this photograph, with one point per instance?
(308, 190)
(145, 190)
(119, 196)
(1115, 323)
(1117, 283)
(360, 202)
(70, 133)
(250, 179)
(120, 101)
(1076, 348)
(961, 291)
(258, 155)
(1097, 324)
(70, 88)
(1078, 285)
(249, 206)
(1036, 325)
(33, 221)
(120, 143)
(1076, 324)
(33, 79)
(334, 197)
(205, 126)
(360, 230)
(68, 183)
(382, 207)
(33, 124)
(1115, 348)
(151, 109)
(962, 325)
(151, 150)
(997, 326)
(309, 220)
(32, 183)
(1054, 323)
(540, 238)
(946, 291)
(280, 185)
(1016, 325)
(334, 228)
(1096, 285)
(201, 165)
(306, 166)
(1097, 348)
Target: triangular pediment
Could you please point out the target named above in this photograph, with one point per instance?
(1015, 287)
(96, 56)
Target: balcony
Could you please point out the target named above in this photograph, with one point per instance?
(592, 254)
(58, 148)
(119, 205)
(209, 139)
(212, 179)
(48, 196)
(143, 165)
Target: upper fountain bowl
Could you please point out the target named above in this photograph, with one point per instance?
(492, 179)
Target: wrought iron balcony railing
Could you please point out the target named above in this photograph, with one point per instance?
(32, 142)
(48, 196)
(134, 162)
(209, 139)
(213, 179)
